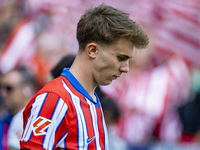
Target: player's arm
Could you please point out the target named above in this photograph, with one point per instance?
(42, 119)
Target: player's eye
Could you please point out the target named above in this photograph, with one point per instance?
(122, 58)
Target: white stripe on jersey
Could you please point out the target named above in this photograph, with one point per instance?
(82, 128)
(36, 107)
(61, 142)
(95, 122)
(57, 117)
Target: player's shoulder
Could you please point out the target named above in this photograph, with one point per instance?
(54, 86)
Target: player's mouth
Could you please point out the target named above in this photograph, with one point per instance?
(115, 76)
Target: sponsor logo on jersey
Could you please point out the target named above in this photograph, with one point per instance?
(40, 125)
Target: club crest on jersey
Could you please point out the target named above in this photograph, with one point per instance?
(39, 125)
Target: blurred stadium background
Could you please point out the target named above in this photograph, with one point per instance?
(163, 78)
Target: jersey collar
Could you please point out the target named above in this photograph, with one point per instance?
(75, 83)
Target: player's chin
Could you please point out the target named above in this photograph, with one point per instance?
(107, 82)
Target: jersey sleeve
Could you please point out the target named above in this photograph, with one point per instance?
(45, 122)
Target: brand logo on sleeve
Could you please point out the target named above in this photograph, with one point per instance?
(40, 125)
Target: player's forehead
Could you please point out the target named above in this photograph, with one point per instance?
(123, 48)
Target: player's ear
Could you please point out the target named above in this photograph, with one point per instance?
(92, 49)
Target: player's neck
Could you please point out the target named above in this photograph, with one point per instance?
(82, 74)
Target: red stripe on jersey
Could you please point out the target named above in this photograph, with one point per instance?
(88, 118)
(75, 92)
(63, 125)
(59, 88)
(26, 115)
(46, 112)
(100, 126)
(53, 86)
(69, 125)
(71, 139)
(34, 146)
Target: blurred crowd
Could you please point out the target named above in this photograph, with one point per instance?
(155, 106)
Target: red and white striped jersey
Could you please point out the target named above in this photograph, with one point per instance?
(64, 115)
